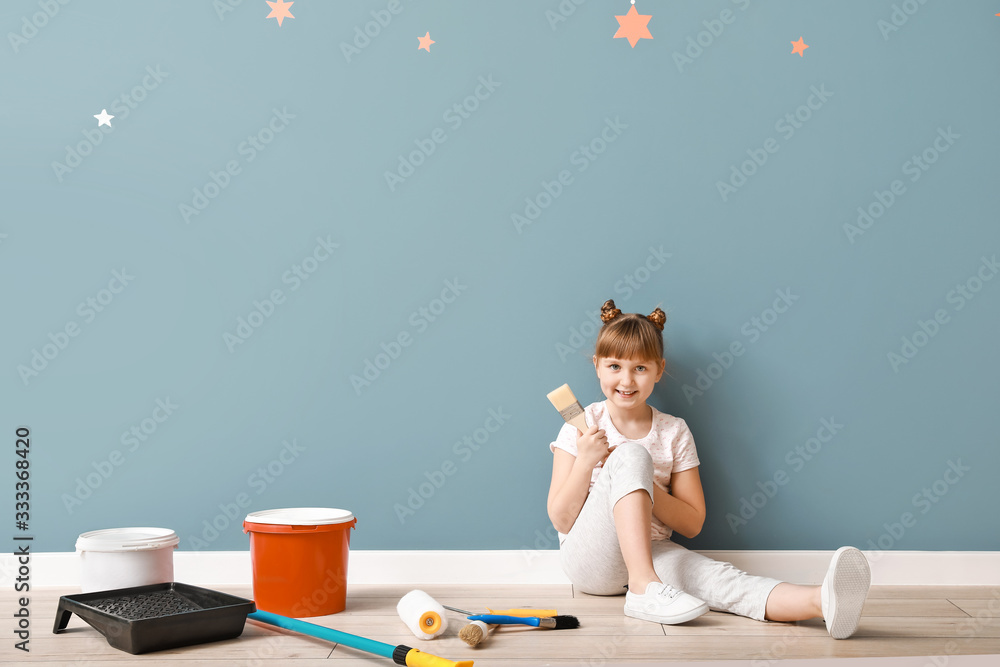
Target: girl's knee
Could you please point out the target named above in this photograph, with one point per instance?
(630, 454)
(632, 465)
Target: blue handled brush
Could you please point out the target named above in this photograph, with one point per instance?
(552, 622)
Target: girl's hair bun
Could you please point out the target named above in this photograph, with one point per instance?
(657, 317)
(609, 312)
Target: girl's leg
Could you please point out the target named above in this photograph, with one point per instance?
(791, 602)
(722, 585)
(609, 540)
(633, 518)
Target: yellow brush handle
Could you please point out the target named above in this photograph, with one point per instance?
(417, 658)
(525, 613)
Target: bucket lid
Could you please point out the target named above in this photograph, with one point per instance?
(301, 516)
(127, 539)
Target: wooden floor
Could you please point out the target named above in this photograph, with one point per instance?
(897, 621)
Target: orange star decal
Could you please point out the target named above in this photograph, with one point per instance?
(425, 42)
(280, 10)
(799, 47)
(632, 26)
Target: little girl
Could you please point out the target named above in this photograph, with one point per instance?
(619, 491)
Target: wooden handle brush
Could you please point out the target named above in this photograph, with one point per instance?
(565, 402)
(476, 631)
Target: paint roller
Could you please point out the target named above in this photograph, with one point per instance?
(423, 615)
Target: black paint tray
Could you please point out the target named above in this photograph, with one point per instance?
(157, 617)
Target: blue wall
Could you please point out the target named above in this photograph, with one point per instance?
(492, 309)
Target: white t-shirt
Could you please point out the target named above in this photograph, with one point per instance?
(669, 442)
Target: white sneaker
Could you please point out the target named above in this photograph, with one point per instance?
(662, 603)
(844, 590)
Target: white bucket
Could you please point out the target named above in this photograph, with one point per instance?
(126, 557)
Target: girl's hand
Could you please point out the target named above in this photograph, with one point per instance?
(592, 446)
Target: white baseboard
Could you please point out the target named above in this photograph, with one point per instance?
(417, 568)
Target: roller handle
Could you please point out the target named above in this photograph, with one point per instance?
(401, 655)
(417, 658)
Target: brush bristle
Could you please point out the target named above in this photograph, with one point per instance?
(566, 622)
(471, 634)
(562, 397)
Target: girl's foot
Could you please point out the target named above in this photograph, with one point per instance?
(662, 603)
(844, 590)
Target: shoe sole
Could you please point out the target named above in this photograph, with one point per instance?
(849, 583)
(673, 620)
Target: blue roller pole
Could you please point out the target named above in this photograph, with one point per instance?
(329, 634)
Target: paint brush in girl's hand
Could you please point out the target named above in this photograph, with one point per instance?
(567, 405)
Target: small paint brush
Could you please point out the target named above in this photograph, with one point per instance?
(551, 622)
(474, 633)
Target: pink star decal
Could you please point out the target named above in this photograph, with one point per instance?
(632, 26)
(280, 10)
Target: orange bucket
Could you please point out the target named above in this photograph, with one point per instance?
(299, 558)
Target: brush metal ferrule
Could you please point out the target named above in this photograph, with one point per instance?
(571, 411)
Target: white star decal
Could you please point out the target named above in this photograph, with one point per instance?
(103, 118)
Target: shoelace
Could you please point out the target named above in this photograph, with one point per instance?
(669, 592)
